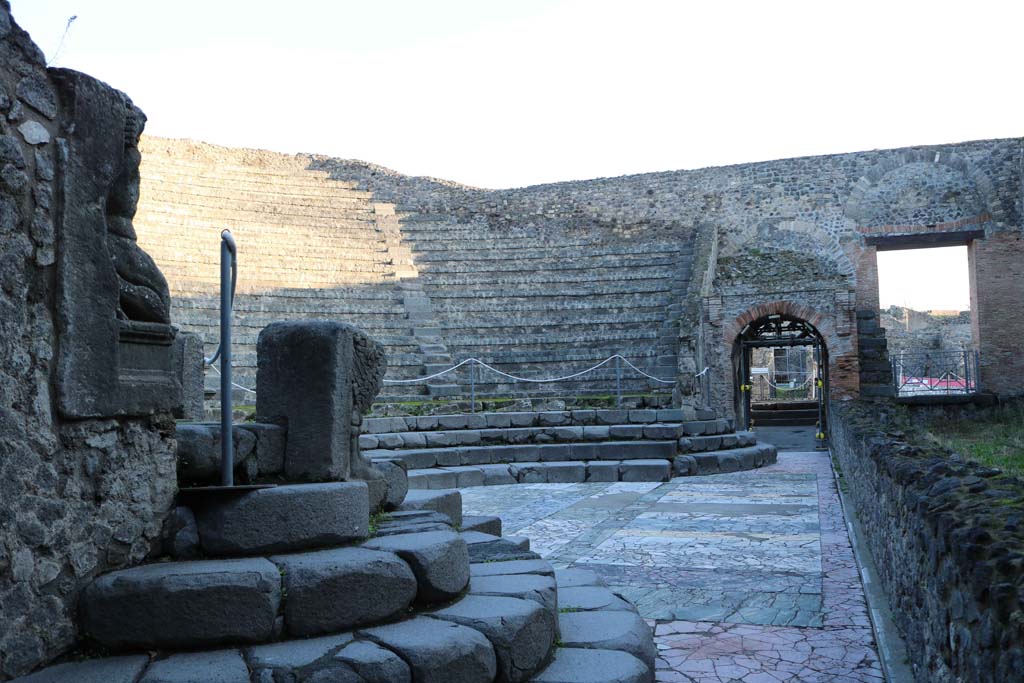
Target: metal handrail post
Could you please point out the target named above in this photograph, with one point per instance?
(618, 382)
(472, 387)
(227, 267)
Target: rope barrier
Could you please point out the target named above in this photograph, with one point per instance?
(532, 380)
(234, 384)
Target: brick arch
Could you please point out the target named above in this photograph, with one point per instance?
(823, 323)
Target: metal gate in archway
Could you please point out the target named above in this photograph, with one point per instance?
(780, 331)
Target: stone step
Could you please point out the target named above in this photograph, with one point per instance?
(284, 518)
(447, 502)
(731, 460)
(553, 472)
(564, 418)
(520, 435)
(423, 458)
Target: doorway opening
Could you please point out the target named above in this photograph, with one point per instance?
(925, 302)
(781, 365)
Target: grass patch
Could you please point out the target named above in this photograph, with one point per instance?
(376, 519)
(994, 438)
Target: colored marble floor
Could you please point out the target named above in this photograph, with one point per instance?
(747, 577)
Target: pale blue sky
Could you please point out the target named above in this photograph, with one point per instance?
(509, 93)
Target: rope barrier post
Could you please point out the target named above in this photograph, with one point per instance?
(227, 265)
(618, 382)
(472, 387)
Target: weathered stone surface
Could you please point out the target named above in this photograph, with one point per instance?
(483, 524)
(313, 376)
(338, 589)
(570, 578)
(484, 548)
(293, 654)
(645, 470)
(396, 481)
(603, 470)
(284, 518)
(220, 666)
(446, 502)
(374, 664)
(270, 446)
(199, 451)
(34, 91)
(521, 631)
(611, 630)
(109, 670)
(34, 133)
(572, 665)
(438, 651)
(542, 567)
(439, 559)
(181, 535)
(183, 604)
(537, 587)
(591, 598)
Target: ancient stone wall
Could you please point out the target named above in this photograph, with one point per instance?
(554, 277)
(907, 330)
(77, 496)
(946, 538)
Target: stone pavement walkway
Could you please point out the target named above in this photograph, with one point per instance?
(747, 577)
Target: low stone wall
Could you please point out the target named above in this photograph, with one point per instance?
(947, 538)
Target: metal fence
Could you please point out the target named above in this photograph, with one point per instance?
(935, 373)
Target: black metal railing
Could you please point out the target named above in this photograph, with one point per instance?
(935, 373)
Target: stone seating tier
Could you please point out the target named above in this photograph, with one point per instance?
(292, 583)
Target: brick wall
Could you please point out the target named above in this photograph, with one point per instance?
(997, 305)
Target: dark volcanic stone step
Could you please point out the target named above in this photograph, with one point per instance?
(183, 604)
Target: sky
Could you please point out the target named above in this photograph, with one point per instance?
(924, 279)
(506, 93)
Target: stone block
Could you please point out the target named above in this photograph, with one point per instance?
(449, 457)
(497, 475)
(611, 417)
(437, 479)
(671, 415)
(661, 431)
(427, 423)
(488, 548)
(466, 476)
(577, 665)
(180, 535)
(396, 482)
(521, 631)
(288, 655)
(448, 503)
(523, 419)
(541, 567)
(584, 417)
(645, 470)
(483, 524)
(552, 418)
(270, 446)
(199, 451)
(498, 420)
(411, 440)
(441, 439)
(188, 351)
(603, 470)
(684, 466)
(313, 375)
(596, 433)
(468, 437)
(452, 421)
(615, 630)
(587, 598)
(438, 651)
(729, 462)
(529, 472)
(642, 416)
(107, 670)
(373, 663)
(341, 588)
(220, 666)
(707, 463)
(541, 588)
(626, 431)
(565, 472)
(183, 604)
(565, 434)
(439, 559)
(295, 517)
(493, 436)
(554, 452)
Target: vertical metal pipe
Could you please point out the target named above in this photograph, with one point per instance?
(227, 456)
(472, 387)
(618, 382)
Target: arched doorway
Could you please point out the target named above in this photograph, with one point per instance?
(781, 372)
